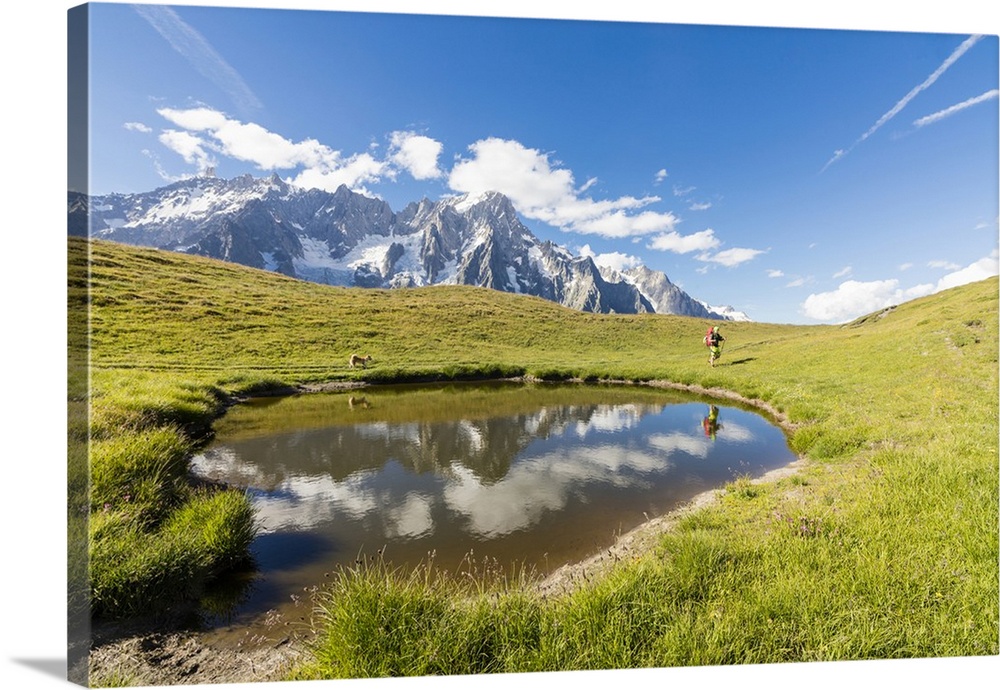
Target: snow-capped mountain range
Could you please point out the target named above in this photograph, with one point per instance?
(345, 238)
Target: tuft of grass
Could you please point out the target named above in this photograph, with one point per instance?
(223, 526)
(139, 471)
(135, 570)
(743, 487)
(381, 621)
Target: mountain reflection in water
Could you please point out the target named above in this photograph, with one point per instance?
(533, 474)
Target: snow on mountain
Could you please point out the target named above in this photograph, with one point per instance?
(344, 238)
(667, 298)
(728, 313)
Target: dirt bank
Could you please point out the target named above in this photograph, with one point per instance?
(171, 655)
(183, 658)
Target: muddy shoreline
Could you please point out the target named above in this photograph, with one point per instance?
(640, 539)
(177, 656)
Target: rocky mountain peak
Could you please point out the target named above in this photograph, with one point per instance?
(345, 238)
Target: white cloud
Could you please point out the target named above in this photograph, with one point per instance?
(540, 190)
(947, 265)
(902, 103)
(842, 272)
(660, 176)
(523, 174)
(797, 282)
(197, 119)
(700, 206)
(416, 154)
(905, 267)
(682, 244)
(252, 143)
(731, 257)
(775, 273)
(318, 166)
(682, 191)
(191, 148)
(852, 298)
(354, 172)
(616, 260)
(614, 223)
(976, 271)
(137, 127)
(948, 112)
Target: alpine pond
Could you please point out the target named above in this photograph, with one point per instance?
(526, 475)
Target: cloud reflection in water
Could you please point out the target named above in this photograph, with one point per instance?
(487, 477)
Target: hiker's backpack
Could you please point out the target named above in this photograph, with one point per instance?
(708, 338)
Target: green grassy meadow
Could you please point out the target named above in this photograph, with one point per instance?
(884, 546)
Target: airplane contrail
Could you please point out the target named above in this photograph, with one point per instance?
(956, 54)
(948, 112)
(196, 50)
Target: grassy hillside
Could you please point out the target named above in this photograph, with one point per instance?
(885, 546)
(154, 311)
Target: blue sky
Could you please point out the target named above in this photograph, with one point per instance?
(799, 175)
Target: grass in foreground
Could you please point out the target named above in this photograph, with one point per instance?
(885, 546)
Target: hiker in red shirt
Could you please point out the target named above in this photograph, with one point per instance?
(714, 340)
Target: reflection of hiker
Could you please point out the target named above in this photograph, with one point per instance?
(711, 423)
(713, 341)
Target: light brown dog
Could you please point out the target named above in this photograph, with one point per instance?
(358, 359)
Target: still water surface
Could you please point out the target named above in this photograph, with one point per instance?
(531, 474)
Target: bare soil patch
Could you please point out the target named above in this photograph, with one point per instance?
(140, 653)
